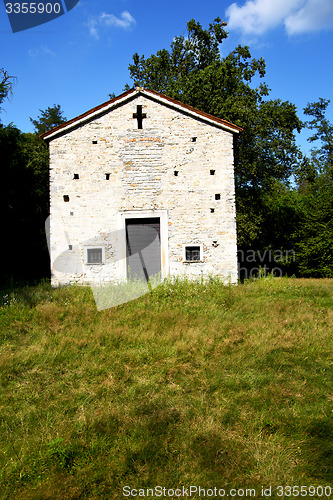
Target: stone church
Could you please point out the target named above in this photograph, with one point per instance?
(142, 185)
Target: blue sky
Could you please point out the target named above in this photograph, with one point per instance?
(78, 58)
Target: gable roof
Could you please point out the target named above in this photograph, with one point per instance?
(129, 95)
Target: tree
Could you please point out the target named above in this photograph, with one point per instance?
(6, 85)
(169, 71)
(48, 119)
(24, 199)
(36, 159)
(322, 156)
(24, 193)
(194, 72)
(315, 233)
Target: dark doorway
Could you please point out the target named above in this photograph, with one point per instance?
(143, 248)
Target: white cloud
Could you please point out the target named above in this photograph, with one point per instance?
(92, 25)
(256, 17)
(313, 16)
(40, 51)
(125, 21)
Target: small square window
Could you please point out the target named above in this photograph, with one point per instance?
(176, 173)
(94, 142)
(70, 247)
(71, 213)
(212, 172)
(194, 139)
(95, 255)
(192, 253)
(76, 176)
(107, 177)
(217, 196)
(66, 198)
(212, 210)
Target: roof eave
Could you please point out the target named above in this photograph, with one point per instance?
(116, 101)
(102, 108)
(231, 127)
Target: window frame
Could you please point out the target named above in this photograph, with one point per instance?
(94, 247)
(187, 245)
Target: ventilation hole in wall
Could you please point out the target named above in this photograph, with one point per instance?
(194, 139)
(107, 177)
(94, 142)
(212, 172)
(70, 247)
(71, 213)
(212, 210)
(217, 196)
(76, 176)
(176, 172)
(66, 197)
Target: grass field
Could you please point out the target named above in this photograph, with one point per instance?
(193, 384)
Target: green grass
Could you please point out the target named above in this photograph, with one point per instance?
(192, 384)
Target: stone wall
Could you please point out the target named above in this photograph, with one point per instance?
(123, 169)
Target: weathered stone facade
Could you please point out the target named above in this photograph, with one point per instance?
(178, 168)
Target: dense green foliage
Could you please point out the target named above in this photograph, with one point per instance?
(24, 200)
(192, 384)
(24, 204)
(314, 236)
